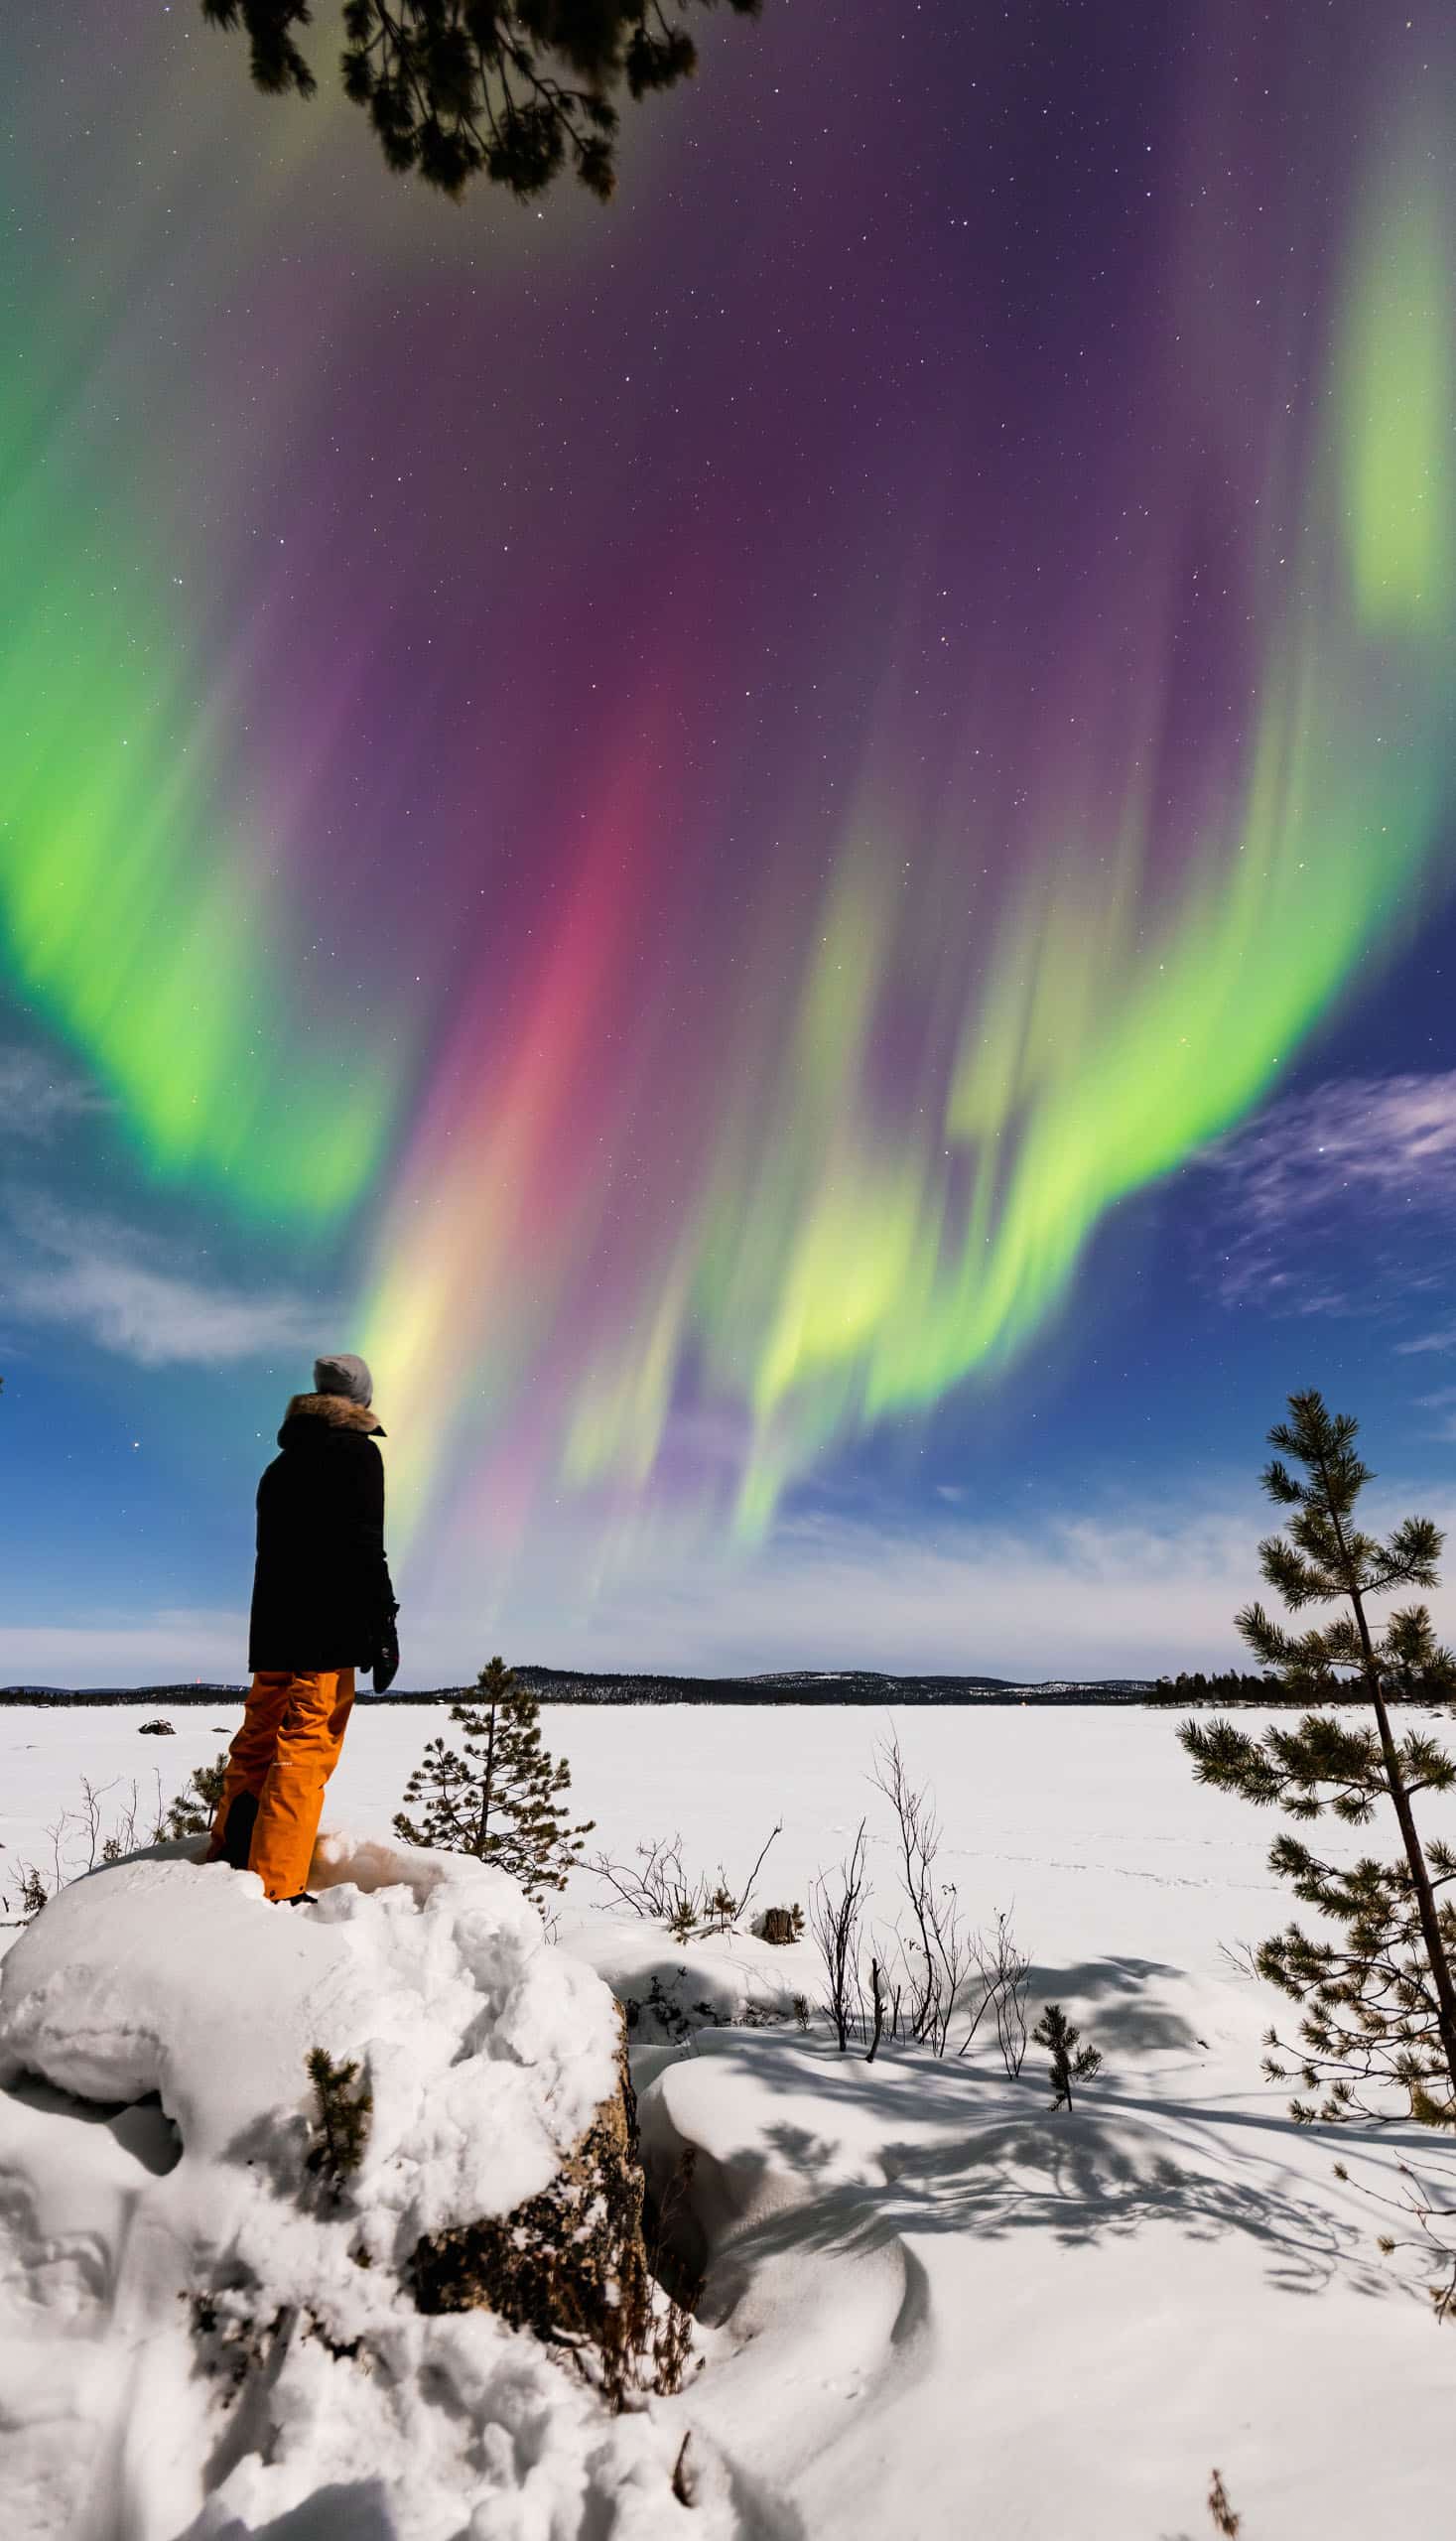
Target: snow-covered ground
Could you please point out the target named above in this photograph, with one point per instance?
(934, 2307)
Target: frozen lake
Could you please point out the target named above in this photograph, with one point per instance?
(1078, 1816)
(933, 2308)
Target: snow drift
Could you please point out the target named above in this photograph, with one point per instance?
(194, 2339)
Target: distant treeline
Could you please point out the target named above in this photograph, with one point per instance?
(573, 1686)
(1230, 1688)
(858, 1686)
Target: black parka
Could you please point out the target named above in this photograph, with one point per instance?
(322, 1594)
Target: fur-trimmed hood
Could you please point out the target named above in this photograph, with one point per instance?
(335, 1411)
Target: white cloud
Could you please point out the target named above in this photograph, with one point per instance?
(1369, 1161)
(1132, 1593)
(1440, 1341)
(1138, 1593)
(35, 1098)
(1394, 1136)
(173, 1646)
(1443, 1404)
(117, 1288)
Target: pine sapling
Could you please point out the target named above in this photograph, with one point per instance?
(1221, 2513)
(32, 1895)
(1070, 2061)
(499, 1796)
(1377, 2001)
(196, 1805)
(343, 2108)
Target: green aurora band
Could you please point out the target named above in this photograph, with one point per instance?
(150, 941)
(1101, 1045)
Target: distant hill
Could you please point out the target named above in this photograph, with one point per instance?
(574, 1686)
(830, 1687)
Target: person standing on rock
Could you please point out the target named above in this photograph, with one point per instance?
(323, 1606)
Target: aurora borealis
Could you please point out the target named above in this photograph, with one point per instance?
(667, 812)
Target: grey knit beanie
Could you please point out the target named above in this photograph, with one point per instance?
(341, 1373)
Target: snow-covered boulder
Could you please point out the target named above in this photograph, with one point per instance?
(196, 2334)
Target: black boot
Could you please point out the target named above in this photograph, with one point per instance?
(237, 1835)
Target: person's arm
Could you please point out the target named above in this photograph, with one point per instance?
(378, 1588)
(373, 1561)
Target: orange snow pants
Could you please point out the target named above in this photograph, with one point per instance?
(287, 1748)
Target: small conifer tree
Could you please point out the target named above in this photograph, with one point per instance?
(1377, 2002)
(344, 2106)
(1220, 2513)
(1070, 2061)
(196, 1805)
(501, 1793)
(33, 1893)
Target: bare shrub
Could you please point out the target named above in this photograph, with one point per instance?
(1434, 2233)
(87, 1836)
(934, 1954)
(928, 1972)
(110, 1821)
(655, 1884)
(1242, 1960)
(1004, 1971)
(836, 1915)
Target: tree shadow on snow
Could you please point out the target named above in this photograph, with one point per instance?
(990, 2158)
(1115, 2002)
(1072, 2180)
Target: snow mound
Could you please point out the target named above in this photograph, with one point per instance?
(196, 2339)
(487, 2053)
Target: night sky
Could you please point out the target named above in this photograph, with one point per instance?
(790, 843)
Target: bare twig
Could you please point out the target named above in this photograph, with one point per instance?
(835, 1923)
(657, 1886)
(1004, 1971)
(746, 1892)
(878, 1996)
(1434, 2235)
(936, 1957)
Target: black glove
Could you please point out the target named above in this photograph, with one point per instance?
(386, 1655)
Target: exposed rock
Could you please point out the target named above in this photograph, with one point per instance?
(570, 2262)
